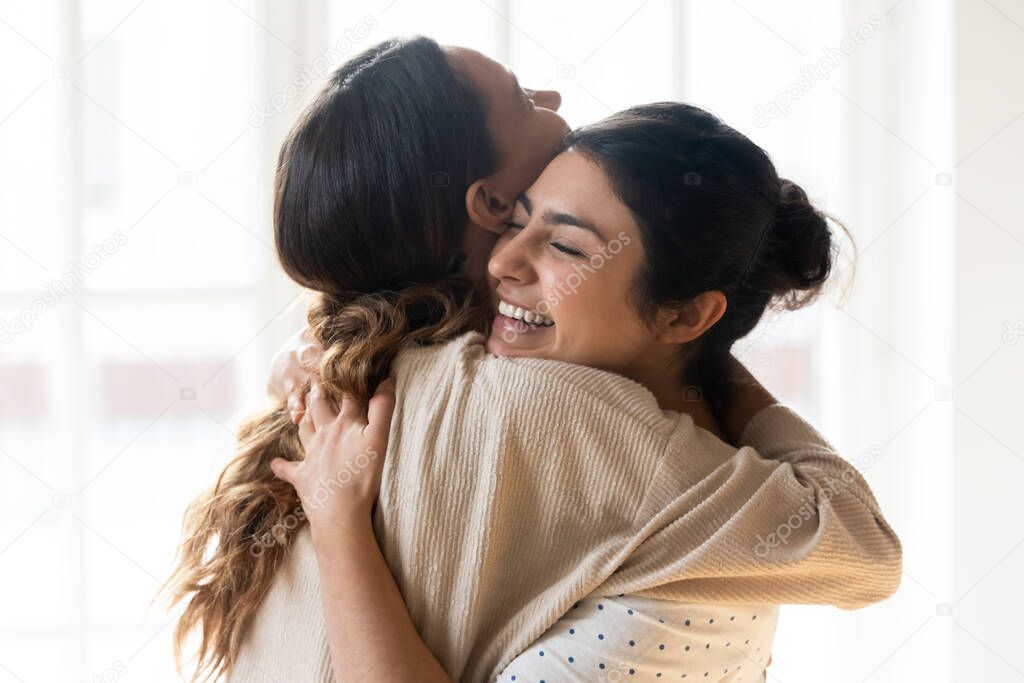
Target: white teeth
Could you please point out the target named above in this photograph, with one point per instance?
(529, 317)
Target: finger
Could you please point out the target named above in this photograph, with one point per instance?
(318, 406)
(284, 469)
(352, 410)
(382, 408)
(297, 405)
(306, 431)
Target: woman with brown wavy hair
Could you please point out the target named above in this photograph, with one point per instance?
(379, 186)
(375, 185)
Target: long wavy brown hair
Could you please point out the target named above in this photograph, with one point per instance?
(361, 217)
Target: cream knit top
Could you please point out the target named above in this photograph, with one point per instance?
(514, 487)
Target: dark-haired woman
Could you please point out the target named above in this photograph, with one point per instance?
(512, 488)
(678, 270)
(391, 189)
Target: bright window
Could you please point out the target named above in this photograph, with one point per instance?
(140, 299)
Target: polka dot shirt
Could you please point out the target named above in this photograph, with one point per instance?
(633, 638)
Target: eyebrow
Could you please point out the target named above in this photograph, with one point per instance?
(560, 218)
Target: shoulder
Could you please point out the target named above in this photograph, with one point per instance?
(416, 366)
(779, 427)
(534, 384)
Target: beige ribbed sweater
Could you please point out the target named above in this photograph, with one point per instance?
(514, 487)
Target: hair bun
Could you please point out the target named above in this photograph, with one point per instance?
(802, 255)
(793, 206)
(791, 193)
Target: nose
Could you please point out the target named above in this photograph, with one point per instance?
(548, 99)
(509, 261)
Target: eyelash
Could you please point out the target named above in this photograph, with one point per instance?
(568, 251)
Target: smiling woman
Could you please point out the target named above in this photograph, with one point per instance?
(594, 471)
(124, 379)
(705, 234)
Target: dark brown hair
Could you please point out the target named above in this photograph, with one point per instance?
(370, 212)
(713, 215)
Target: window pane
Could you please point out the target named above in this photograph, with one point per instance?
(171, 172)
(601, 61)
(34, 197)
(40, 658)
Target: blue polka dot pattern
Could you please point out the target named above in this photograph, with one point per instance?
(644, 639)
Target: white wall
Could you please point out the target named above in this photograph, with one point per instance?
(988, 597)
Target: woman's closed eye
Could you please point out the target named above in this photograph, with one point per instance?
(566, 249)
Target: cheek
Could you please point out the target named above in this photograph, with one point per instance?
(538, 147)
(601, 303)
(550, 290)
(579, 300)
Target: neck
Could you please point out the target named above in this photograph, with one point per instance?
(667, 382)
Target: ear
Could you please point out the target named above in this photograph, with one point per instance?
(688, 321)
(487, 207)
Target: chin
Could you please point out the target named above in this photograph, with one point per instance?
(498, 347)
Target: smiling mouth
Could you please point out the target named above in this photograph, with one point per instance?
(529, 317)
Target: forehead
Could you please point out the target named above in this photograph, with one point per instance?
(572, 172)
(576, 184)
